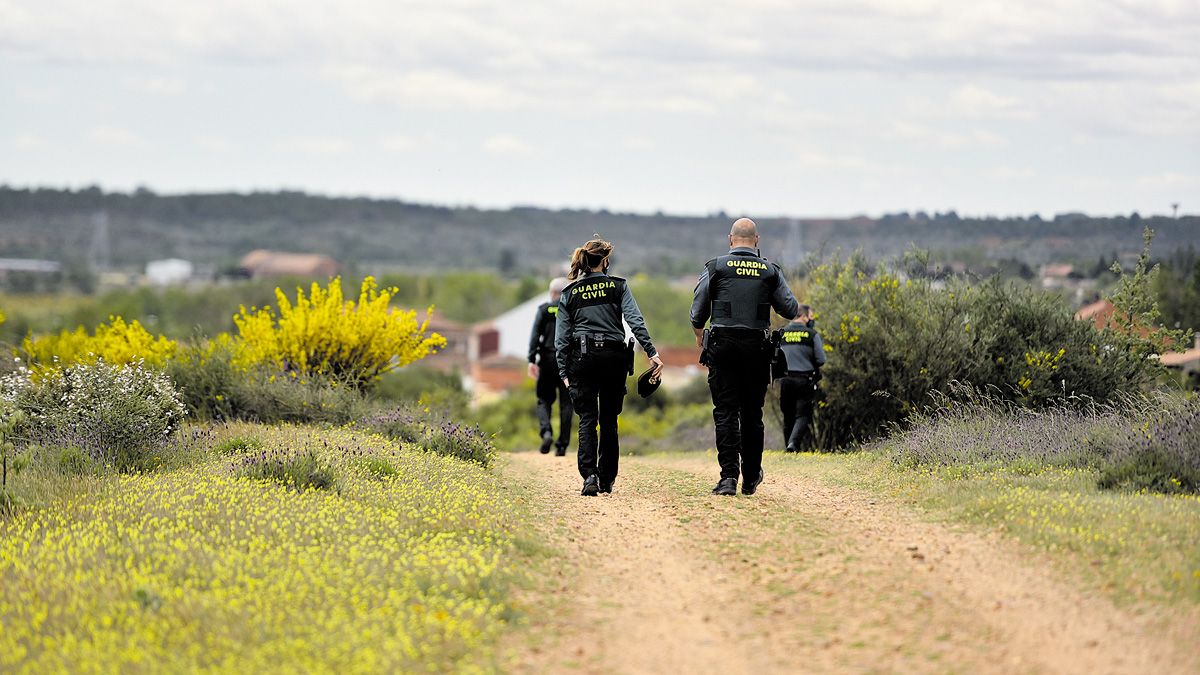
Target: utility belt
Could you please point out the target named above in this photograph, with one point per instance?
(592, 343)
(805, 374)
(737, 332)
(762, 335)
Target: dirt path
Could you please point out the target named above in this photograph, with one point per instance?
(803, 577)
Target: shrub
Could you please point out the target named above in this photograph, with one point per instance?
(326, 335)
(379, 468)
(116, 342)
(1163, 455)
(238, 445)
(214, 388)
(892, 341)
(1134, 443)
(299, 470)
(461, 441)
(118, 415)
(444, 437)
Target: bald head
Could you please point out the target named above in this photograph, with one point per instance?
(743, 233)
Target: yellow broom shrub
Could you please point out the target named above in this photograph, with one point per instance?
(116, 342)
(327, 335)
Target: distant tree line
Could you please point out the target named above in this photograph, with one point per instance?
(386, 234)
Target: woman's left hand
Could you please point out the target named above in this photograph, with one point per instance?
(657, 362)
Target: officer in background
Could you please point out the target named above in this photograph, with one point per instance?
(737, 292)
(544, 368)
(804, 354)
(593, 358)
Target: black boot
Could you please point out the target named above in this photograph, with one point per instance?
(606, 488)
(726, 487)
(560, 451)
(748, 486)
(547, 441)
(591, 486)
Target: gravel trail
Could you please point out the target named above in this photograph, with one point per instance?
(662, 577)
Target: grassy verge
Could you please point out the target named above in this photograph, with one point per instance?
(1135, 545)
(401, 561)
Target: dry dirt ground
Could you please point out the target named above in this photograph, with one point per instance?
(662, 577)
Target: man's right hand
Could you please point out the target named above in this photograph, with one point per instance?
(534, 371)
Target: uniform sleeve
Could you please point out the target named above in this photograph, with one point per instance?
(535, 339)
(637, 323)
(818, 349)
(701, 302)
(563, 330)
(782, 299)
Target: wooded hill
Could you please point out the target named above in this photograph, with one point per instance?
(218, 229)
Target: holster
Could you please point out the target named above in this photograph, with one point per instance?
(778, 358)
(629, 355)
(705, 360)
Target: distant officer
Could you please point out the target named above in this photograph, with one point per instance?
(544, 368)
(805, 354)
(737, 292)
(593, 358)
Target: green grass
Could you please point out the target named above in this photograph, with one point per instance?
(1137, 546)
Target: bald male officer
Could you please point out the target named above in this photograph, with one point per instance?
(737, 292)
(544, 369)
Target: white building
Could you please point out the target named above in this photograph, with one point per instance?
(168, 272)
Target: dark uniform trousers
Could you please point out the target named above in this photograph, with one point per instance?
(796, 393)
(598, 393)
(550, 387)
(738, 374)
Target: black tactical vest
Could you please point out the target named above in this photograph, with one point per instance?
(546, 327)
(740, 288)
(798, 345)
(595, 306)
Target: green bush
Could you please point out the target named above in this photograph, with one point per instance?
(1163, 455)
(379, 468)
(438, 435)
(1135, 443)
(213, 388)
(892, 341)
(119, 416)
(238, 445)
(299, 470)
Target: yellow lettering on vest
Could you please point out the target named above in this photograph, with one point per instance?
(751, 264)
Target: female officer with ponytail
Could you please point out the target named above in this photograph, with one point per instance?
(593, 358)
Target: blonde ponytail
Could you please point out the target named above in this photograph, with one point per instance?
(591, 255)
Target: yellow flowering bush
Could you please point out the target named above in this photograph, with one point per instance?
(116, 342)
(325, 334)
(196, 569)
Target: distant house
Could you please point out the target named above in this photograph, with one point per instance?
(169, 272)
(262, 263)
(1187, 362)
(1057, 275)
(455, 355)
(1099, 313)
(10, 265)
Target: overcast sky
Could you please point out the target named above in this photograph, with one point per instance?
(798, 107)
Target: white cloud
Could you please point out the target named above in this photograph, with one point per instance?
(974, 101)
(509, 146)
(214, 144)
(428, 88)
(27, 142)
(157, 85)
(317, 145)
(941, 137)
(403, 143)
(115, 137)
